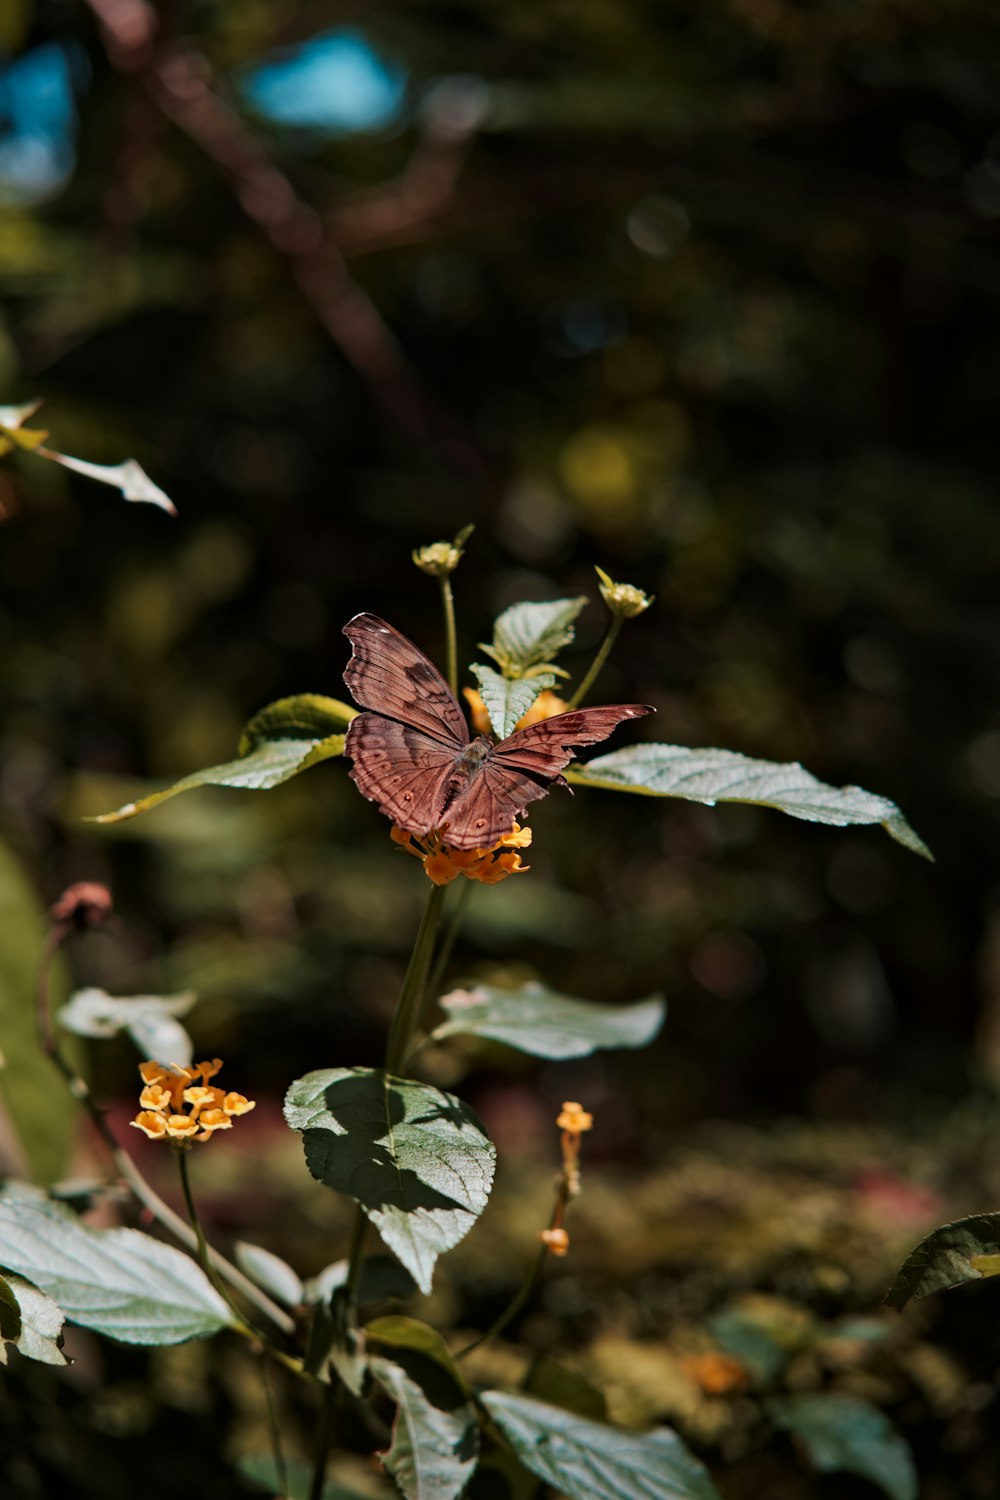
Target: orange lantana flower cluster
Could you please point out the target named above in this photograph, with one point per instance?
(166, 1091)
(443, 865)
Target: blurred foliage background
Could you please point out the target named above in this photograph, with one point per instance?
(703, 293)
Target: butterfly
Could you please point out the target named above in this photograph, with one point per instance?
(412, 753)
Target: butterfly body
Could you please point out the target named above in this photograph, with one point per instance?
(412, 753)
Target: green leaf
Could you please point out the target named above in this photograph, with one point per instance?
(295, 1483)
(950, 1255)
(37, 1099)
(41, 1323)
(547, 1380)
(712, 776)
(150, 1020)
(117, 1281)
(537, 1020)
(846, 1434)
(270, 1272)
(435, 1441)
(271, 763)
(416, 1159)
(306, 716)
(590, 1461)
(528, 635)
(508, 700)
(381, 1277)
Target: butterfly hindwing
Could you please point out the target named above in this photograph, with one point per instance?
(409, 774)
(389, 675)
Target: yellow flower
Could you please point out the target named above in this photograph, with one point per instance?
(440, 868)
(477, 711)
(555, 1240)
(574, 1118)
(211, 1120)
(545, 706)
(622, 599)
(168, 1090)
(155, 1096)
(238, 1104)
(199, 1098)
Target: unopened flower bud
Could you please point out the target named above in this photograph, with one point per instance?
(556, 1241)
(86, 904)
(438, 559)
(622, 599)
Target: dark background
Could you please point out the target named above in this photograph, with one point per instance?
(704, 294)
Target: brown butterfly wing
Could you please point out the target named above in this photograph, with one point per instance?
(406, 772)
(389, 675)
(523, 768)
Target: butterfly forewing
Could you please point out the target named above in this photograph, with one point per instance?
(412, 755)
(387, 674)
(545, 748)
(523, 768)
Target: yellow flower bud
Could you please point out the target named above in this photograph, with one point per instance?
(438, 559)
(622, 599)
(574, 1118)
(555, 1240)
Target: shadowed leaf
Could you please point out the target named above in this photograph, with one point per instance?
(416, 1159)
(965, 1250)
(846, 1434)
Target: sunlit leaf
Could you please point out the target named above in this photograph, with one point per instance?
(270, 1272)
(845, 1434)
(150, 1020)
(965, 1250)
(119, 1282)
(435, 1441)
(271, 763)
(416, 1159)
(305, 716)
(535, 1019)
(128, 477)
(41, 1322)
(591, 1461)
(530, 635)
(712, 776)
(507, 699)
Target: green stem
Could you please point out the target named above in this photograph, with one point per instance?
(521, 1297)
(598, 662)
(274, 1426)
(451, 646)
(322, 1448)
(411, 996)
(450, 937)
(181, 1152)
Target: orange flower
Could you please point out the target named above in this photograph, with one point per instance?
(556, 1241)
(574, 1118)
(545, 706)
(442, 865)
(716, 1373)
(167, 1090)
